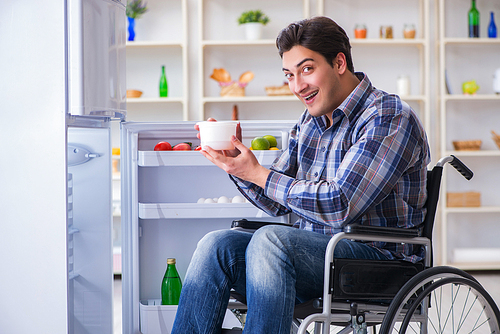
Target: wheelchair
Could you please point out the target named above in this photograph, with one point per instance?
(392, 296)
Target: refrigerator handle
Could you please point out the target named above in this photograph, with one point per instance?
(78, 155)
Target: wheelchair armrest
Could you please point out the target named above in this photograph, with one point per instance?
(252, 226)
(382, 231)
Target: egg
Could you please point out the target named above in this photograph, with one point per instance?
(209, 200)
(201, 200)
(223, 199)
(238, 199)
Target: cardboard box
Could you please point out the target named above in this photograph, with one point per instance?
(463, 199)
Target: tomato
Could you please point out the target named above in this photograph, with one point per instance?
(163, 146)
(182, 147)
(198, 148)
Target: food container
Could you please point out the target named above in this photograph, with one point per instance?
(217, 135)
(386, 32)
(403, 85)
(409, 31)
(133, 93)
(360, 31)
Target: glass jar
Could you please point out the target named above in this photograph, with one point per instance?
(409, 31)
(360, 31)
(386, 32)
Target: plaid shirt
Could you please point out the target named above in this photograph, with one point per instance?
(369, 167)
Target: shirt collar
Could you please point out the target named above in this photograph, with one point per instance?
(356, 100)
(351, 105)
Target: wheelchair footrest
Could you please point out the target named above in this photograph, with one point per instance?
(355, 279)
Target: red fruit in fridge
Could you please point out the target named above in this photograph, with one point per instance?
(198, 148)
(163, 146)
(182, 147)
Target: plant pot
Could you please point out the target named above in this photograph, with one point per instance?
(253, 30)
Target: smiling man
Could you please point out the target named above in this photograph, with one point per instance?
(356, 155)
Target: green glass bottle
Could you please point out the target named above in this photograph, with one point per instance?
(473, 21)
(171, 285)
(163, 83)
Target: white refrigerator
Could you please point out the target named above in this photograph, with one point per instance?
(62, 67)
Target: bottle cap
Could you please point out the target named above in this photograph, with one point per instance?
(170, 261)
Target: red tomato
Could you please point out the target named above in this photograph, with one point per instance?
(198, 148)
(163, 146)
(182, 147)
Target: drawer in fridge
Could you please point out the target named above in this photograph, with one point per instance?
(156, 318)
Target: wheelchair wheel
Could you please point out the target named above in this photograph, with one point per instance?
(443, 302)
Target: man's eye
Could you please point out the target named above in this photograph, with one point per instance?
(307, 69)
(288, 75)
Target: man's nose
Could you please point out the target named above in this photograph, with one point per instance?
(299, 85)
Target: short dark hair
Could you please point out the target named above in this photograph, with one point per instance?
(320, 34)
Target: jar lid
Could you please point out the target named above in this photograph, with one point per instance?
(171, 261)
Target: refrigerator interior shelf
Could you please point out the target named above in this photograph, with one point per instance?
(192, 158)
(195, 210)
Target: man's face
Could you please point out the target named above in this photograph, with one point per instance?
(313, 80)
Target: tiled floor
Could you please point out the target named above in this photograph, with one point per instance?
(489, 280)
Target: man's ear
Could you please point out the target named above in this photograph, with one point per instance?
(340, 63)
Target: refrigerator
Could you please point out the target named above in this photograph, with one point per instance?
(62, 66)
(164, 213)
(62, 84)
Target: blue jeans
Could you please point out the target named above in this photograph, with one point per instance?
(275, 268)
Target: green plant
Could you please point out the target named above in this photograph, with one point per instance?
(136, 8)
(253, 16)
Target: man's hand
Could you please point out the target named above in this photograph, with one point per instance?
(243, 165)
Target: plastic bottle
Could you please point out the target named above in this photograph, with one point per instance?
(492, 28)
(163, 83)
(171, 285)
(473, 20)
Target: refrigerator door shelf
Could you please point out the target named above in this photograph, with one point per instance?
(193, 158)
(202, 210)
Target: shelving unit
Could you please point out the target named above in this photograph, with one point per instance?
(414, 53)
(162, 45)
(468, 117)
(228, 49)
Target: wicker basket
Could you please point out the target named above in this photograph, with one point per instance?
(133, 93)
(496, 138)
(232, 89)
(467, 145)
(278, 90)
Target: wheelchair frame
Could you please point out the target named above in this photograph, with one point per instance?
(412, 302)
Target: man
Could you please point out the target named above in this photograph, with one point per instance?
(356, 155)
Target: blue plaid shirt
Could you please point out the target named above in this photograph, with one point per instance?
(368, 167)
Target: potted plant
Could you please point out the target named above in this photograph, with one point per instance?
(253, 20)
(135, 9)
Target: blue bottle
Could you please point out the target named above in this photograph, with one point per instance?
(492, 28)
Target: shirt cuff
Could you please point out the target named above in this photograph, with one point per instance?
(278, 186)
